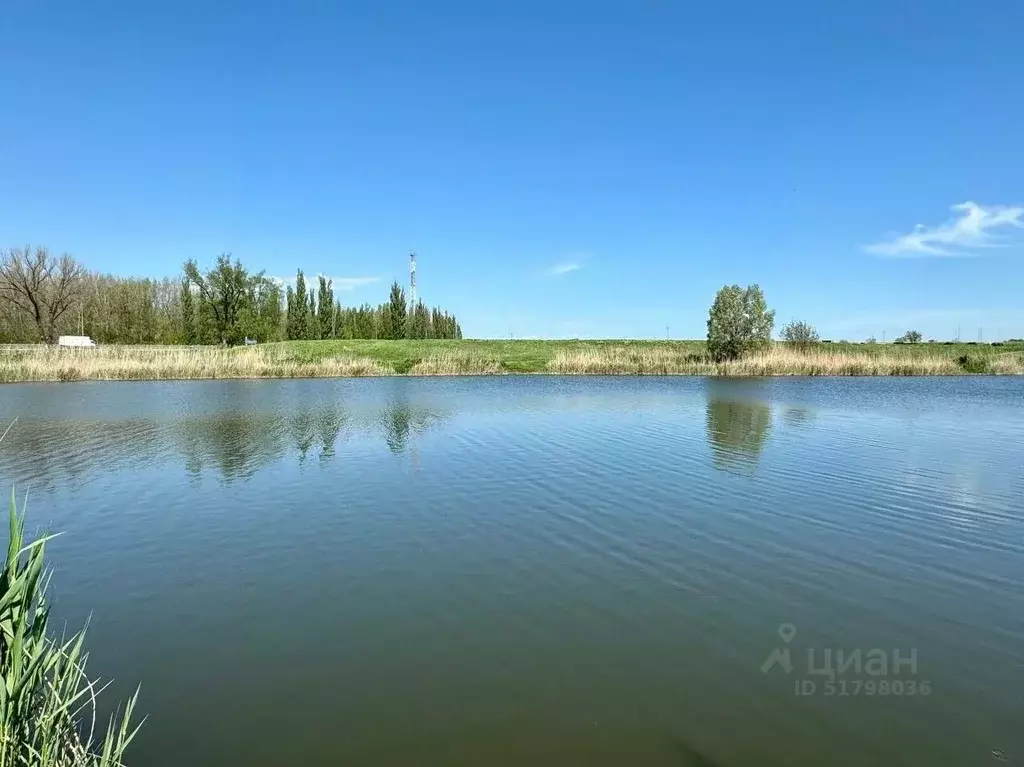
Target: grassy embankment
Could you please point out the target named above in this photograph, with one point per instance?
(321, 359)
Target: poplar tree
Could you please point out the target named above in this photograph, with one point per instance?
(325, 307)
(313, 323)
(396, 309)
(299, 328)
(189, 332)
(289, 321)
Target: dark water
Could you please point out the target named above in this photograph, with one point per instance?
(542, 571)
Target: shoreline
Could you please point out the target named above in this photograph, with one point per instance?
(414, 359)
(538, 374)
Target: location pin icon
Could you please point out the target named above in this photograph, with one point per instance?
(787, 631)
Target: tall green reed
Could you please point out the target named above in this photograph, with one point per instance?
(48, 703)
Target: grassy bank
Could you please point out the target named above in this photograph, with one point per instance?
(324, 359)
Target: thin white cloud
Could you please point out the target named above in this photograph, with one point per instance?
(564, 268)
(351, 283)
(968, 230)
(345, 284)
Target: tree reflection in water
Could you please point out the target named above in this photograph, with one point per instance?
(738, 426)
(402, 420)
(235, 441)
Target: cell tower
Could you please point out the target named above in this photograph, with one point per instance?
(412, 281)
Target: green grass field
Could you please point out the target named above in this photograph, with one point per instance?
(536, 356)
(513, 356)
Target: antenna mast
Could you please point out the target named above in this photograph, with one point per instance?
(412, 281)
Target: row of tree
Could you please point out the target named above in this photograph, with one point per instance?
(43, 296)
(315, 314)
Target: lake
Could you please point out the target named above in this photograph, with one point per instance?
(540, 570)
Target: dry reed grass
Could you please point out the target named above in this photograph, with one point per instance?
(777, 361)
(1007, 364)
(110, 363)
(456, 364)
(629, 360)
(114, 363)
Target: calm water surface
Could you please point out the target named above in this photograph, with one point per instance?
(542, 571)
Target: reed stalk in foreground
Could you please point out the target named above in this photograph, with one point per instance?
(47, 701)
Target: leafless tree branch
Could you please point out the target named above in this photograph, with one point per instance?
(41, 285)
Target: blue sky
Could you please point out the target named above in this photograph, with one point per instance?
(592, 169)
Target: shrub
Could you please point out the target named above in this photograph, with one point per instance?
(972, 364)
(799, 334)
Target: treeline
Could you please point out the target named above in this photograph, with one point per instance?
(112, 310)
(315, 314)
(43, 297)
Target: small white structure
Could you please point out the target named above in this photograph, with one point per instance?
(77, 342)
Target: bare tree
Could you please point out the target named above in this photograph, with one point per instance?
(40, 284)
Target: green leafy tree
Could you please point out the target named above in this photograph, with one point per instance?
(263, 316)
(313, 331)
(739, 322)
(910, 337)
(235, 304)
(418, 323)
(344, 322)
(800, 334)
(289, 322)
(189, 332)
(228, 292)
(205, 327)
(383, 323)
(325, 307)
(298, 309)
(396, 311)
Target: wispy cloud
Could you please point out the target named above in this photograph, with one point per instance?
(564, 268)
(351, 283)
(345, 284)
(967, 230)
